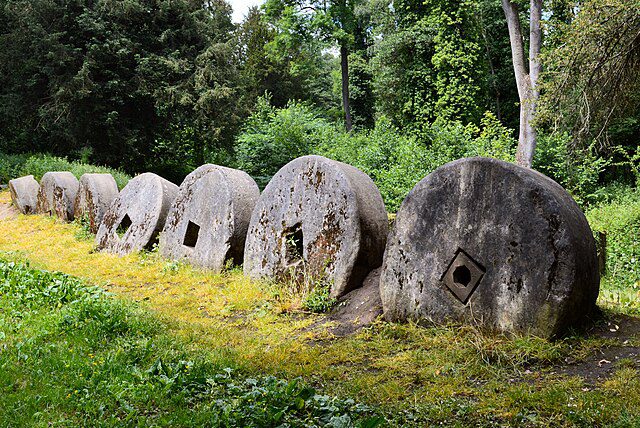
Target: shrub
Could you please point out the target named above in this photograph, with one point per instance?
(576, 171)
(12, 166)
(397, 161)
(620, 221)
(273, 137)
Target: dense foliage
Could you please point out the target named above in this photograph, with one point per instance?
(618, 223)
(166, 85)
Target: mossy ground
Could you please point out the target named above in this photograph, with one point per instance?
(415, 375)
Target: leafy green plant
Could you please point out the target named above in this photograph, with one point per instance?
(13, 166)
(619, 221)
(273, 137)
(319, 299)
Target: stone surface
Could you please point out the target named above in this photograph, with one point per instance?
(137, 215)
(321, 217)
(95, 194)
(358, 308)
(487, 242)
(24, 194)
(57, 195)
(207, 223)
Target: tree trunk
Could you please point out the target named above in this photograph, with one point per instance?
(344, 65)
(526, 77)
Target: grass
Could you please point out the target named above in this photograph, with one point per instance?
(73, 356)
(414, 376)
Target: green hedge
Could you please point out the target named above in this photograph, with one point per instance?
(620, 221)
(13, 166)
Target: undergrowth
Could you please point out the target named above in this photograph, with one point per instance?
(14, 166)
(74, 356)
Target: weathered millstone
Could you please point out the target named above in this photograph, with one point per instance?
(95, 195)
(320, 216)
(137, 215)
(208, 221)
(487, 242)
(57, 195)
(24, 193)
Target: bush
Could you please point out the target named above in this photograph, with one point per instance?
(397, 161)
(13, 166)
(273, 137)
(620, 221)
(576, 171)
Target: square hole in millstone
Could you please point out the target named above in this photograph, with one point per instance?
(463, 276)
(294, 241)
(124, 225)
(191, 235)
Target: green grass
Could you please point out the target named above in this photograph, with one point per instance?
(14, 166)
(413, 376)
(74, 356)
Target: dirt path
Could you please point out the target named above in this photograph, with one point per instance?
(623, 331)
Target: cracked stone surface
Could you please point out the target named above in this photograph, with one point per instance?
(486, 242)
(57, 195)
(208, 221)
(24, 193)
(322, 217)
(95, 194)
(137, 215)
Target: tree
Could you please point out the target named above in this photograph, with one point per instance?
(335, 22)
(592, 74)
(526, 75)
(262, 72)
(119, 77)
(428, 61)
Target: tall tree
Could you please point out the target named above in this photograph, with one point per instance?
(119, 77)
(592, 73)
(334, 21)
(526, 72)
(428, 61)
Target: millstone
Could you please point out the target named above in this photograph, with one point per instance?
(487, 242)
(95, 194)
(322, 217)
(24, 193)
(207, 223)
(137, 215)
(57, 195)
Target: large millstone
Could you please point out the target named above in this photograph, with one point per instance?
(487, 242)
(208, 221)
(24, 193)
(95, 195)
(137, 215)
(320, 215)
(57, 195)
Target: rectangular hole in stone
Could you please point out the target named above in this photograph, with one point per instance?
(123, 226)
(191, 235)
(294, 243)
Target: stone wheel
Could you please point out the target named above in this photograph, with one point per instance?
(320, 215)
(487, 242)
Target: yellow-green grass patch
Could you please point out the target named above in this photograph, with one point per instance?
(435, 372)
